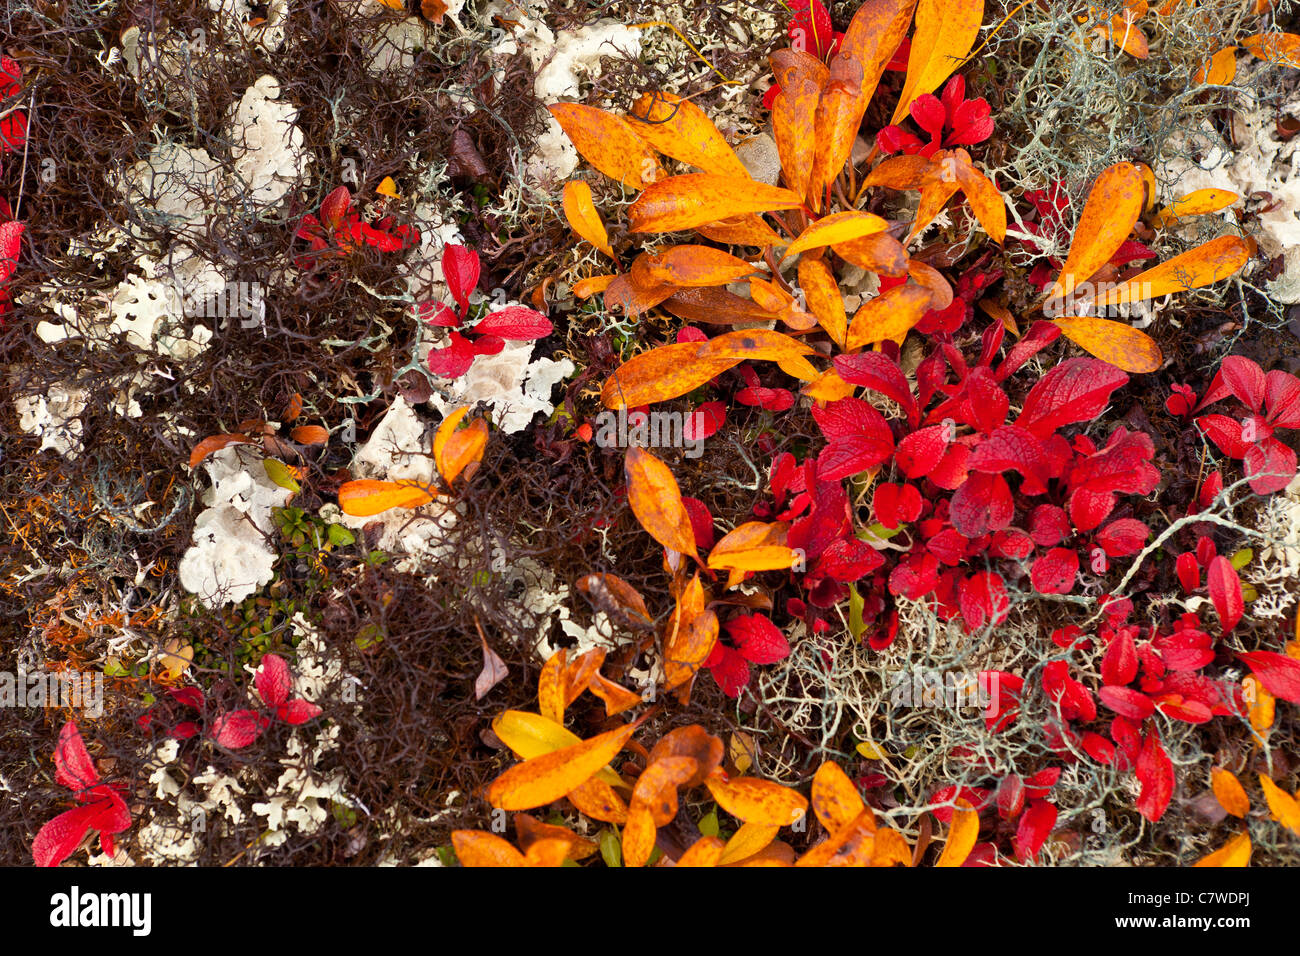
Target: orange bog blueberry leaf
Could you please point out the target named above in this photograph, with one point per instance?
(754, 344)
(367, 497)
(837, 227)
(945, 32)
(889, 316)
(476, 848)
(1229, 792)
(693, 266)
(747, 230)
(962, 833)
(835, 799)
(529, 830)
(581, 213)
(597, 799)
(825, 301)
(460, 451)
(662, 373)
(750, 839)
(985, 200)
(1281, 805)
(890, 849)
(310, 435)
(1206, 264)
(1196, 203)
(1108, 217)
(608, 143)
(656, 500)
(706, 851)
(695, 199)
(850, 845)
(757, 801)
(801, 78)
(1117, 343)
(550, 688)
(1235, 853)
(545, 779)
(680, 129)
(1280, 48)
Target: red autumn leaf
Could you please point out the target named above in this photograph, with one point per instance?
(858, 435)
(1225, 432)
(915, 576)
(729, 669)
(1189, 572)
(516, 323)
(1155, 772)
(982, 504)
(1225, 592)
(1282, 399)
(453, 360)
(297, 711)
(239, 728)
(460, 269)
(705, 421)
(1011, 796)
(1119, 665)
(919, 453)
(1008, 448)
(878, 372)
(1072, 698)
(1127, 702)
(1049, 525)
(273, 681)
(1245, 380)
(847, 560)
(1123, 537)
(701, 522)
(757, 639)
(1077, 390)
(1035, 826)
(1088, 509)
(983, 598)
(896, 504)
(769, 399)
(1279, 673)
(1271, 466)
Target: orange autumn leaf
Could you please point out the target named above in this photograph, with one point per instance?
(774, 854)
(754, 345)
(1280, 48)
(310, 435)
(1108, 217)
(714, 306)
(662, 373)
(680, 129)
(1234, 853)
(706, 851)
(1196, 203)
(769, 296)
(1229, 792)
(938, 185)
(899, 172)
(850, 845)
(581, 213)
(1117, 343)
(634, 293)
(757, 801)
(656, 500)
(692, 266)
(367, 497)
(889, 316)
(838, 227)
(945, 32)
(962, 834)
(879, 253)
(747, 230)
(545, 779)
(656, 788)
(753, 546)
(1124, 33)
(985, 200)
(1263, 705)
(689, 639)
(750, 839)
(931, 279)
(294, 407)
(597, 799)
(617, 698)
(550, 688)
(1283, 807)
(890, 849)
(801, 79)
(1206, 264)
(214, 443)
(825, 301)
(579, 673)
(476, 848)
(608, 143)
(835, 798)
(694, 199)
(872, 37)
(616, 597)
(690, 741)
(530, 830)
(638, 835)
(586, 288)
(1218, 70)
(828, 387)
(460, 451)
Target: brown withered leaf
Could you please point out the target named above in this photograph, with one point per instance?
(609, 143)
(494, 670)
(656, 501)
(714, 306)
(694, 199)
(464, 159)
(680, 129)
(617, 598)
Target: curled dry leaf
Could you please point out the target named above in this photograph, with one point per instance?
(617, 598)
(1117, 343)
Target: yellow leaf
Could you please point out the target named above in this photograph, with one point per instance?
(962, 834)
(835, 799)
(1281, 805)
(822, 293)
(838, 227)
(751, 838)
(741, 751)
(387, 188)
(281, 474)
(1121, 345)
(581, 213)
(1206, 264)
(1235, 853)
(176, 660)
(889, 316)
(608, 143)
(656, 500)
(871, 750)
(545, 779)
(1108, 217)
(757, 801)
(696, 199)
(1195, 203)
(1229, 792)
(945, 32)
(680, 129)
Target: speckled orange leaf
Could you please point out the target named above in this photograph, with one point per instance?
(656, 501)
(1234, 853)
(680, 129)
(1117, 343)
(662, 373)
(656, 788)
(1108, 217)
(692, 266)
(945, 32)
(529, 830)
(837, 111)
(801, 78)
(1196, 203)
(1263, 705)
(694, 199)
(476, 848)
(617, 698)
(638, 835)
(850, 845)
(890, 849)
(545, 779)
(367, 497)
(879, 253)
(1218, 70)
(822, 294)
(635, 297)
(837, 227)
(1281, 48)
(609, 143)
(550, 688)
(586, 288)
(714, 306)
(581, 213)
(688, 642)
(1206, 264)
(597, 799)
(461, 451)
(835, 799)
(747, 230)
(753, 546)
(889, 316)
(757, 801)
(776, 853)
(1283, 807)
(1229, 792)
(751, 838)
(706, 851)
(962, 834)
(754, 345)
(828, 387)
(985, 200)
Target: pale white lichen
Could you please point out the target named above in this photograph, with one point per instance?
(513, 385)
(267, 147)
(55, 417)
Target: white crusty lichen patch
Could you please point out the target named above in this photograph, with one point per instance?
(230, 559)
(513, 385)
(544, 601)
(266, 147)
(55, 417)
